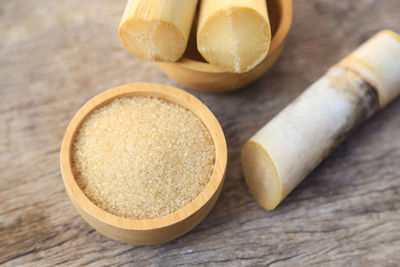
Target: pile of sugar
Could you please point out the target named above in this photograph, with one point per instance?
(142, 157)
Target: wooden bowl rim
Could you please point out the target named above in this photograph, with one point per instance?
(278, 38)
(156, 90)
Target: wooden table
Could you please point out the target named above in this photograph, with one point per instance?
(55, 55)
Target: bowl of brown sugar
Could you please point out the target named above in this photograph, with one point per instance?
(143, 163)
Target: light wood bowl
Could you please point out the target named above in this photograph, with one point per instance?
(161, 229)
(194, 72)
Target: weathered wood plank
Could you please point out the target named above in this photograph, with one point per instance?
(55, 55)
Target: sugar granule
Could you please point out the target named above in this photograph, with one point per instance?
(142, 157)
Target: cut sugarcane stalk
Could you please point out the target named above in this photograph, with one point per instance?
(234, 35)
(278, 157)
(157, 30)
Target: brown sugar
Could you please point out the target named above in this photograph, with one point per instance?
(142, 157)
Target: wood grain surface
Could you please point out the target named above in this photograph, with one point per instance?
(55, 55)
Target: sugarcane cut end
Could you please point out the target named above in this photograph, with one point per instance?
(153, 40)
(261, 175)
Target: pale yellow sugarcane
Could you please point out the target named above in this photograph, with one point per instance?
(157, 30)
(233, 35)
(278, 157)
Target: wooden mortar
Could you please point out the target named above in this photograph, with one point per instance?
(161, 229)
(194, 72)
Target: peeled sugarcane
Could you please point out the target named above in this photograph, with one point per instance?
(234, 35)
(157, 30)
(278, 157)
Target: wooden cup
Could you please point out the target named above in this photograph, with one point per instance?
(194, 72)
(161, 229)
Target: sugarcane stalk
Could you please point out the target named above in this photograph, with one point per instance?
(279, 156)
(157, 30)
(233, 35)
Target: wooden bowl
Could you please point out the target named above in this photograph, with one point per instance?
(194, 72)
(161, 229)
